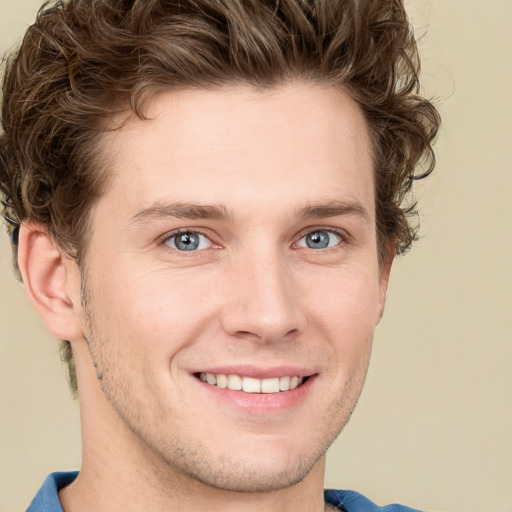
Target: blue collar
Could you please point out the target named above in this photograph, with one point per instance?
(47, 498)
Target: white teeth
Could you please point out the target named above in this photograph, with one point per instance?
(234, 382)
(294, 382)
(270, 385)
(284, 383)
(250, 384)
(222, 381)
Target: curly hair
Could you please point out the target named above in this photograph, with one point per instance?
(84, 61)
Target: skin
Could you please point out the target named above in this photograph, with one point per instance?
(272, 167)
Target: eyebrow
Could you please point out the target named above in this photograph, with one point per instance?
(181, 211)
(333, 209)
(193, 211)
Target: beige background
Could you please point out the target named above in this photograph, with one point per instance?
(434, 425)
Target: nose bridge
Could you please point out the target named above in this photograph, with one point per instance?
(263, 299)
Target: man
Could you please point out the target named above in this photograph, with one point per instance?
(205, 198)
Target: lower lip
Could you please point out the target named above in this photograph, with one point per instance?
(260, 403)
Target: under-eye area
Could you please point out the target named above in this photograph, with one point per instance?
(251, 384)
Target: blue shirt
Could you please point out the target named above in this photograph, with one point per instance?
(47, 499)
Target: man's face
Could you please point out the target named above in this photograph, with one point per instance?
(236, 242)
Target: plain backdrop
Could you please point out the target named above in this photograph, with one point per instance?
(433, 428)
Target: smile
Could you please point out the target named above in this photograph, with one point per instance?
(250, 384)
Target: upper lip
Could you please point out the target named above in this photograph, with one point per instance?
(258, 372)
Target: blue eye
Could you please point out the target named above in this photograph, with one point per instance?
(320, 239)
(188, 241)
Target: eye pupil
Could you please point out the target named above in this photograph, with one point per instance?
(187, 241)
(318, 240)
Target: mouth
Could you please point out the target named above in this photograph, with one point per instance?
(247, 384)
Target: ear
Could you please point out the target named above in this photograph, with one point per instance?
(385, 271)
(52, 282)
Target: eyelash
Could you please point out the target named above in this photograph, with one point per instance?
(182, 231)
(343, 236)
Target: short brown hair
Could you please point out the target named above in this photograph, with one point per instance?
(83, 61)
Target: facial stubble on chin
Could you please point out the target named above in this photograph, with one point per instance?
(226, 472)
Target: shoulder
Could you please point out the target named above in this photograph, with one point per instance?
(47, 498)
(352, 501)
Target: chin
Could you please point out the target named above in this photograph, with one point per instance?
(252, 477)
(256, 467)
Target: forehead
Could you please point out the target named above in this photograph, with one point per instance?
(242, 147)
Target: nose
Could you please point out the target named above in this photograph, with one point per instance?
(263, 302)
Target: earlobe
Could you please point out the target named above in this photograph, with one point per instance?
(51, 282)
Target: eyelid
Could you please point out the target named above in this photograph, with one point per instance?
(344, 235)
(194, 230)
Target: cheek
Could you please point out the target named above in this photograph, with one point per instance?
(154, 309)
(348, 297)
(346, 309)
